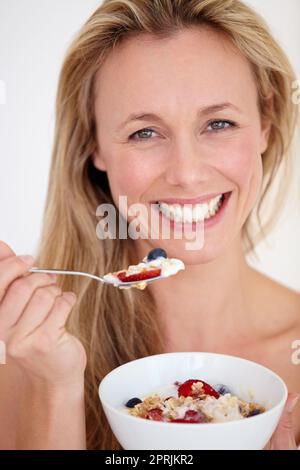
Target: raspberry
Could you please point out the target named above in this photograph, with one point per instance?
(192, 416)
(148, 274)
(186, 390)
(155, 414)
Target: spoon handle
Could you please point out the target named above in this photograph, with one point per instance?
(63, 271)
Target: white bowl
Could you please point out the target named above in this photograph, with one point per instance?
(142, 377)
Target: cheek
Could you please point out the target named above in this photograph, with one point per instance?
(130, 177)
(242, 164)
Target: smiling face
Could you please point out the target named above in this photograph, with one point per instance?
(178, 122)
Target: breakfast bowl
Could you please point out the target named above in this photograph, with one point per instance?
(247, 381)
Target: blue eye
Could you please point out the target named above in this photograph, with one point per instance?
(142, 134)
(215, 126)
(220, 125)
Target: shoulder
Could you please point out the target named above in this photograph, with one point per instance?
(287, 302)
(279, 304)
(279, 328)
(279, 332)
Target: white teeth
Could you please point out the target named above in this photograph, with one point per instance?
(199, 212)
(191, 213)
(205, 211)
(211, 205)
(178, 213)
(188, 214)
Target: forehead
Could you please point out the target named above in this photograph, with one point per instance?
(194, 64)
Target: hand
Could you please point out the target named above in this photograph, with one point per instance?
(33, 313)
(284, 435)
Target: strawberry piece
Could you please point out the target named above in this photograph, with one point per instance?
(148, 274)
(155, 414)
(191, 416)
(185, 389)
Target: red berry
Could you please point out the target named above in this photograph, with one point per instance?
(195, 416)
(192, 416)
(185, 389)
(148, 274)
(155, 414)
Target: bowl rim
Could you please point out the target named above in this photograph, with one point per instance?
(120, 412)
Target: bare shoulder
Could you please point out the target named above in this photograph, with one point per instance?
(288, 305)
(10, 398)
(277, 318)
(279, 326)
(280, 304)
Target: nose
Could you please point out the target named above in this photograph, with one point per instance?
(187, 165)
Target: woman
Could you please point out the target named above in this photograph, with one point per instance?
(210, 91)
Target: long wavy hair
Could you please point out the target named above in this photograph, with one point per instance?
(119, 326)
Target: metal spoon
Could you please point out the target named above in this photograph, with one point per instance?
(116, 283)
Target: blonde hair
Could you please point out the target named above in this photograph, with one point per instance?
(119, 326)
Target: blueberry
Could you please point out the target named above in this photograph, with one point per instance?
(156, 253)
(222, 389)
(132, 402)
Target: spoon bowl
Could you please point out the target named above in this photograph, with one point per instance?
(116, 283)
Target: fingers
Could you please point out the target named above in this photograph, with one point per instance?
(286, 420)
(59, 314)
(43, 321)
(34, 315)
(48, 333)
(284, 435)
(11, 268)
(18, 295)
(5, 251)
(292, 400)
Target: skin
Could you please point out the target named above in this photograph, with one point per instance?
(181, 159)
(42, 382)
(259, 318)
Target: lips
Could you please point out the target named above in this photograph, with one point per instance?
(195, 200)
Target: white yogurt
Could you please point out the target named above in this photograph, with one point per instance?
(168, 266)
(218, 410)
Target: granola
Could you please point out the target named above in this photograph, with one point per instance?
(194, 401)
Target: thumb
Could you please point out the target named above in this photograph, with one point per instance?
(284, 435)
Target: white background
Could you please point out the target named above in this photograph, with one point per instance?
(34, 35)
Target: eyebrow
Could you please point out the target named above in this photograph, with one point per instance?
(204, 111)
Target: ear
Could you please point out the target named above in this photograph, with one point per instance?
(266, 125)
(264, 136)
(98, 160)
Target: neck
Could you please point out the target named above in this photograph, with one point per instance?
(211, 303)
